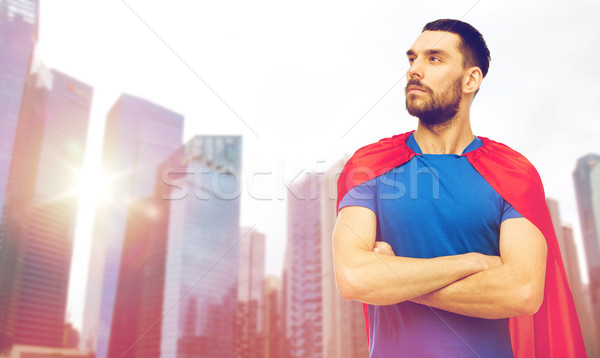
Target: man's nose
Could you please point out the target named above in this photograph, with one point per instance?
(415, 70)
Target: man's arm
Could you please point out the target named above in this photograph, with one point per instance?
(370, 277)
(515, 288)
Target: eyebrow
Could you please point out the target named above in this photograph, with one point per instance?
(431, 51)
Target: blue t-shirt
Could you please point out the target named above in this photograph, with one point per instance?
(434, 205)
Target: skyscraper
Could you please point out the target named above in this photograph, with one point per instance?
(344, 333)
(581, 294)
(139, 135)
(40, 208)
(153, 228)
(18, 36)
(568, 250)
(303, 315)
(566, 247)
(250, 340)
(129, 323)
(587, 190)
(595, 184)
(274, 335)
(201, 183)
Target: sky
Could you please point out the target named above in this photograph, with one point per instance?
(307, 83)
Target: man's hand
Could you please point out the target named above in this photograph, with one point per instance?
(382, 247)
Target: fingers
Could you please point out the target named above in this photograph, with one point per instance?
(383, 248)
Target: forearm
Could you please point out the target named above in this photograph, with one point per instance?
(383, 279)
(514, 288)
(495, 293)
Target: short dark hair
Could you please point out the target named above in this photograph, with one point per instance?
(472, 44)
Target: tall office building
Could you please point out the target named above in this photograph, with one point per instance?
(136, 324)
(139, 135)
(274, 336)
(344, 332)
(201, 265)
(40, 209)
(586, 177)
(18, 36)
(142, 231)
(581, 294)
(250, 340)
(595, 199)
(153, 230)
(569, 256)
(568, 250)
(303, 311)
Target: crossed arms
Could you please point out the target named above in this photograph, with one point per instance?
(470, 284)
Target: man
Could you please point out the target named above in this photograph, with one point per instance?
(446, 236)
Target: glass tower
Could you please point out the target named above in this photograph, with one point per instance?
(201, 190)
(139, 135)
(142, 231)
(587, 189)
(40, 208)
(343, 321)
(18, 35)
(250, 339)
(302, 286)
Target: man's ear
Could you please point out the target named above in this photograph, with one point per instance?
(473, 79)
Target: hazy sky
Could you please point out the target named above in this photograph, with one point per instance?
(307, 82)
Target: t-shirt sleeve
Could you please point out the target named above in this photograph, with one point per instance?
(508, 212)
(361, 195)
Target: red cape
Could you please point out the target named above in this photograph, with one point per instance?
(554, 330)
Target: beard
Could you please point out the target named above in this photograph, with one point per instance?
(434, 109)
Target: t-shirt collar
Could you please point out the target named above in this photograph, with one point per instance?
(412, 144)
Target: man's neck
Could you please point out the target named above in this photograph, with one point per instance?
(451, 138)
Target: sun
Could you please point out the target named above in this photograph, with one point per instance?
(93, 186)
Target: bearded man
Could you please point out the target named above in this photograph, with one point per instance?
(446, 237)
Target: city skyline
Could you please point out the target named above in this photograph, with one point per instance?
(270, 162)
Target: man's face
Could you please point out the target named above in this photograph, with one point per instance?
(435, 77)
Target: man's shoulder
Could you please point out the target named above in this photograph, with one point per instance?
(373, 160)
(503, 155)
(396, 142)
(504, 168)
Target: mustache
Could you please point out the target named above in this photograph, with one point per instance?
(416, 82)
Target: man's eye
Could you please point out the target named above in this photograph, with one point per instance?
(434, 59)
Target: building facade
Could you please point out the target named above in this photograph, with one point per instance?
(250, 326)
(274, 335)
(587, 190)
(581, 294)
(571, 262)
(138, 136)
(18, 36)
(201, 264)
(302, 286)
(37, 228)
(344, 333)
(128, 325)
